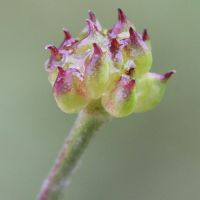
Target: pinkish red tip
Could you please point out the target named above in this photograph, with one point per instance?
(169, 74)
(133, 34)
(132, 83)
(97, 49)
(122, 25)
(121, 16)
(61, 71)
(115, 44)
(116, 53)
(59, 80)
(92, 26)
(134, 37)
(67, 34)
(145, 36)
(92, 16)
(53, 49)
(68, 40)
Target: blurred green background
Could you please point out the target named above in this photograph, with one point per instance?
(148, 156)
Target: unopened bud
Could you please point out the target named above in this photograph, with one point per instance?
(94, 36)
(151, 88)
(135, 48)
(120, 98)
(122, 25)
(69, 91)
(96, 76)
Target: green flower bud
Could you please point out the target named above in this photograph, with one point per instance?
(97, 71)
(109, 65)
(135, 48)
(69, 91)
(121, 28)
(94, 36)
(151, 88)
(86, 29)
(120, 99)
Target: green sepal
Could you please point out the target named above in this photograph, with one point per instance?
(150, 90)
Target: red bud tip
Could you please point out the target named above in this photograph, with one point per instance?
(121, 16)
(115, 44)
(92, 26)
(145, 36)
(169, 74)
(92, 16)
(132, 83)
(133, 34)
(116, 53)
(59, 79)
(134, 37)
(60, 71)
(97, 49)
(67, 34)
(67, 72)
(68, 41)
(53, 49)
(122, 25)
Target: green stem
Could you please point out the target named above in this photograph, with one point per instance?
(88, 122)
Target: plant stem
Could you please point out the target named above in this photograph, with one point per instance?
(87, 123)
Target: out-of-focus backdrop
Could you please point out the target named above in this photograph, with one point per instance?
(149, 156)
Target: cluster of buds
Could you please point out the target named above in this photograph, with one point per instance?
(111, 65)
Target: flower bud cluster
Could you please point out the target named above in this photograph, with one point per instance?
(109, 64)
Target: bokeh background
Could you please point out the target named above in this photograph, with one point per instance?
(148, 156)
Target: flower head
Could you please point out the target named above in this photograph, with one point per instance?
(111, 65)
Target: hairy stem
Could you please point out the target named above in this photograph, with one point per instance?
(88, 122)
